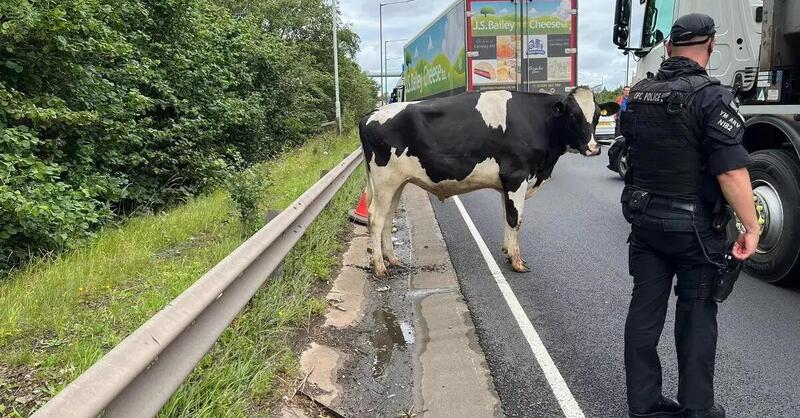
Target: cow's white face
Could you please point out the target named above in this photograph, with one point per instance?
(575, 114)
(585, 99)
(584, 115)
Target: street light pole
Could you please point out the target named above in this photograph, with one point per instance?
(627, 68)
(336, 64)
(388, 73)
(386, 44)
(381, 46)
(386, 60)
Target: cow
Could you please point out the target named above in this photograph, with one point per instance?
(501, 140)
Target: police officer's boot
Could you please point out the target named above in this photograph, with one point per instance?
(665, 408)
(716, 411)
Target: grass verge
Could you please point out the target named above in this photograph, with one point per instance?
(59, 316)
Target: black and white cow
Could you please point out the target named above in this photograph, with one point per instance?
(507, 141)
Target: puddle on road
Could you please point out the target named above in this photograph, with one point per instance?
(389, 333)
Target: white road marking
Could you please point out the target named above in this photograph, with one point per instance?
(557, 384)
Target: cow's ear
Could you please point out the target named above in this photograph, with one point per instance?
(559, 108)
(609, 108)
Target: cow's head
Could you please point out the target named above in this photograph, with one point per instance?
(580, 113)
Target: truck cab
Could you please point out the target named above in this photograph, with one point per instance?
(757, 53)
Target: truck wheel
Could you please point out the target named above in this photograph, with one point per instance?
(622, 164)
(775, 175)
(616, 161)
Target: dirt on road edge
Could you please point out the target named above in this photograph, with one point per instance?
(404, 346)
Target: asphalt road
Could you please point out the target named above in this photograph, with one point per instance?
(576, 297)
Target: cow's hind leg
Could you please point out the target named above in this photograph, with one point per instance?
(368, 190)
(386, 236)
(380, 204)
(514, 204)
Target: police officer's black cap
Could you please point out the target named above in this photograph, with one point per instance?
(688, 27)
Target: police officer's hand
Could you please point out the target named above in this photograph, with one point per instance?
(745, 245)
(736, 187)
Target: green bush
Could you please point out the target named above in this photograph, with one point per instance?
(246, 189)
(108, 107)
(37, 209)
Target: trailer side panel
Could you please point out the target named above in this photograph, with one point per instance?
(435, 60)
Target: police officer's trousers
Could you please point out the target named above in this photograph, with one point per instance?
(656, 255)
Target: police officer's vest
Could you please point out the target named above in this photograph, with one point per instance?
(664, 138)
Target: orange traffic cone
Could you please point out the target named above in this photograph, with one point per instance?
(360, 213)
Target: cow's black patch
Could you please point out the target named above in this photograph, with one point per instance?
(512, 217)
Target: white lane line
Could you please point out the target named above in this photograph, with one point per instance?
(557, 384)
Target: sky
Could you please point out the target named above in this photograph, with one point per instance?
(599, 59)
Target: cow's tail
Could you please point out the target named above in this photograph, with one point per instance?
(368, 139)
(369, 189)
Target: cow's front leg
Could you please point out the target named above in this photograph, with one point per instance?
(514, 204)
(506, 229)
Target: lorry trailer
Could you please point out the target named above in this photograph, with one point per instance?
(479, 45)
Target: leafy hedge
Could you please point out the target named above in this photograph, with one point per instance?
(110, 106)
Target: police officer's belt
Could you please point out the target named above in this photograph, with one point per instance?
(668, 208)
(665, 213)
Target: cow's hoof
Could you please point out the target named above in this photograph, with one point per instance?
(380, 272)
(393, 261)
(520, 266)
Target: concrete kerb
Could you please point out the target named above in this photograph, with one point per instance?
(346, 297)
(453, 376)
(450, 374)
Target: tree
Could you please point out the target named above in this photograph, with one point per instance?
(485, 11)
(608, 95)
(113, 106)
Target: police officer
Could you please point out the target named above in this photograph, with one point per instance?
(684, 138)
